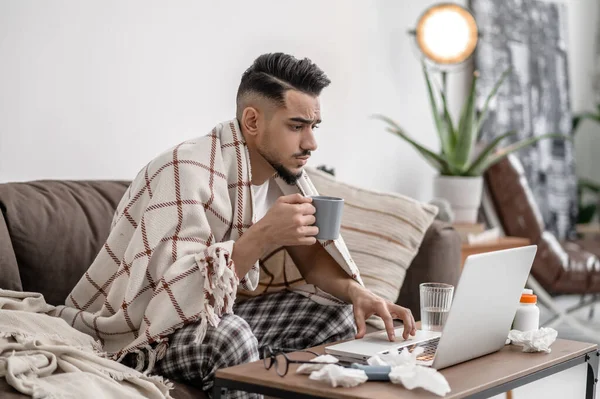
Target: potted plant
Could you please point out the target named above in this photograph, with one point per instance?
(458, 162)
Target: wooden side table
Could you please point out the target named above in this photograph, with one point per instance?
(496, 245)
(483, 377)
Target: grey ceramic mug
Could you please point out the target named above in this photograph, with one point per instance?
(329, 216)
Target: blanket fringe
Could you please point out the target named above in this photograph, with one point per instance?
(125, 376)
(200, 332)
(153, 355)
(161, 348)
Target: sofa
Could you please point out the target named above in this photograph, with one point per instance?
(51, 231)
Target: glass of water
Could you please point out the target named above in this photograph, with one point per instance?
(436, 299)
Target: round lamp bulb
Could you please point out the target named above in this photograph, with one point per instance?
(447, 34)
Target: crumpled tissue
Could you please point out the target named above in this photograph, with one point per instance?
(331, 373)
(308, 368)
(411, 375)
(339, 376)
(534, 341)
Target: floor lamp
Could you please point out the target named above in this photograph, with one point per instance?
(446, 35)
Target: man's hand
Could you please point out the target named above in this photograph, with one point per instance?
(289, 222)
(286, 224)
(367, 304)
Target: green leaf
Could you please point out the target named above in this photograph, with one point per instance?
(389, 121)
(486, 104)
(486, 152)
(466, 135)
(452, 136)
(439, 123)
(435, 160)
(491, 160)
(586, 213)
(575, 123)
(589, 185)
(584, 115)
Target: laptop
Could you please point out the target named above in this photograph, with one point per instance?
(483, 307)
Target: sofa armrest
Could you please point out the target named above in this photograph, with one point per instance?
(438, 260)
(10, 279)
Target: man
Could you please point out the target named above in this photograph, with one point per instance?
(193, 226)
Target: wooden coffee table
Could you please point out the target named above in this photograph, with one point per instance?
(479, 378)
(493, 245)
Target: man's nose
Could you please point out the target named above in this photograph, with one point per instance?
(309, 142)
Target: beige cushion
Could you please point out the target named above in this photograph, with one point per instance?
(383, 231)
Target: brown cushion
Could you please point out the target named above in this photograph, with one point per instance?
(513, 199)
(57, 229)
(566, 268)
(550, 261)
(9, 270)
(591, 244)
(595, 282)
(585, 266)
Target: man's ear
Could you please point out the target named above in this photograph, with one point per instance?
(250, 120)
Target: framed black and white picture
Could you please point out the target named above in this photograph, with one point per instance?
(530, 37)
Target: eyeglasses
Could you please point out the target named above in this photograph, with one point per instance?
(278, 358)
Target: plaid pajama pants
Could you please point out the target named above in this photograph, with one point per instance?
(281, 320)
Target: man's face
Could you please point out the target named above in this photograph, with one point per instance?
(288, 137)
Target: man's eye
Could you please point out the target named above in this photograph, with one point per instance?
(297, 127)
(316, 126)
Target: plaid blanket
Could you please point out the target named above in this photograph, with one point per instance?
(167, 260)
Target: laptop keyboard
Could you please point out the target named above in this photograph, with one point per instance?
(429, 349)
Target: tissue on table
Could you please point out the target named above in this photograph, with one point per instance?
(534, 341)
(339, 376)
(308, 368)
(420, 377)
(411, 375)
(397, 359)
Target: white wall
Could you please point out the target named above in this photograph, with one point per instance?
(96, 89)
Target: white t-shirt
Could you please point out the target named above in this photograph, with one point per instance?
(265, 196)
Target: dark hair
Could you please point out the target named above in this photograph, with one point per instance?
(272, 74)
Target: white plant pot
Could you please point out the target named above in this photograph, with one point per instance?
(463, 194)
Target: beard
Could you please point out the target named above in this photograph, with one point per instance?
(287, 175)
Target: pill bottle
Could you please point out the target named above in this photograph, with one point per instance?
(527, 317)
